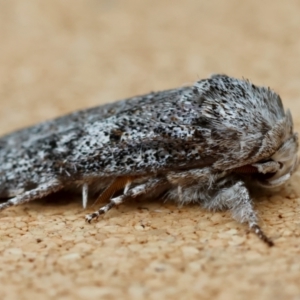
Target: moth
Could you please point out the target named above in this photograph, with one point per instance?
(207, 143)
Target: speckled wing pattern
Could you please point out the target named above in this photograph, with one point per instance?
(217, 125)
(156, 132)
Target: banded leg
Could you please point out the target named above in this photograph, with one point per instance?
(237, 199)
(130, 193)
(37, 193)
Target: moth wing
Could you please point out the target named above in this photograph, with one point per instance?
(40, 152)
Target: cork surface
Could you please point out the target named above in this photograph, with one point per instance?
(59, 56)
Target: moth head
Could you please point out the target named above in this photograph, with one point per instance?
(276, 169)
(284, 163)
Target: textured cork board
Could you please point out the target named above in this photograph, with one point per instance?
(59, 56)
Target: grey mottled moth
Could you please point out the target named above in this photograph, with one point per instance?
(205, 143)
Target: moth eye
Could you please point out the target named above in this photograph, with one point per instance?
(280, 165)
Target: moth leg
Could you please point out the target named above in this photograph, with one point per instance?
(85, 194)
(39, 192)
(237, 199)
(114, 201)
(117, 184)
(267, 167)
(138, 190)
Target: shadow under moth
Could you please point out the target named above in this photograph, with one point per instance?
(206, 143)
